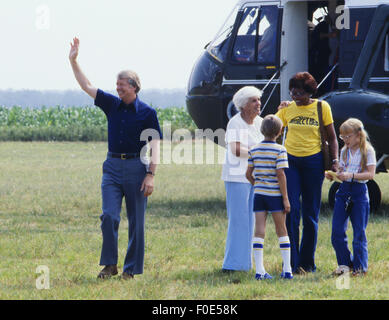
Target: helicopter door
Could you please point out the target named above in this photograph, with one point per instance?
(253, 54)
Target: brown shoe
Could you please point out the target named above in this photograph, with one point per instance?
(108, 271)
(127, 276)
(359, 273)
(300, 271)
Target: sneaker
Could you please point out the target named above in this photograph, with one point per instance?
(286, 275)
(263, 276)
(342, 269)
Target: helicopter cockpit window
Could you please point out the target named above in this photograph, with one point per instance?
(268, 34)
(219, 46)
(244, 47)
(256, 40)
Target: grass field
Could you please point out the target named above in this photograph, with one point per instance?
(49, 215)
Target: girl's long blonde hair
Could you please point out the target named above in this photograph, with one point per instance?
(356, 126)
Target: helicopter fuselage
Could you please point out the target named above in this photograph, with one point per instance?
(347, 51)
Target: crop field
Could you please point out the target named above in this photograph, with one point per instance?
(71, 123)
(50, 236)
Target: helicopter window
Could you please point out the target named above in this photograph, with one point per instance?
(256, 40)
(244, 47)
(268, 25)
(219, 46)
(319, 15)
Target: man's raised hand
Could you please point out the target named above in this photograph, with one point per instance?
(79, 75)
(74, 49)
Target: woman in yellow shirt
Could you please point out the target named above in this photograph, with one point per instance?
(305, 174)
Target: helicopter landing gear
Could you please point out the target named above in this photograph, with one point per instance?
(374, 194)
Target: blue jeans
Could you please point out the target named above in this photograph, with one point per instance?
(305, 177)
(239, 201)
(123, 178)
(359, 217)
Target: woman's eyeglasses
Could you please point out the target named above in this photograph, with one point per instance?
(294, 93)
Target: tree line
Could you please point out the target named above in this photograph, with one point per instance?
(161, 98)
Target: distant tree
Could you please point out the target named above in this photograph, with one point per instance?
(36, 99)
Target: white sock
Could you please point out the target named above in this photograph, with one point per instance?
(258, 255)
(285, 253)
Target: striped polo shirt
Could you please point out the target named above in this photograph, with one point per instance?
(266, 157)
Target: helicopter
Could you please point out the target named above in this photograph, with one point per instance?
(353, 76)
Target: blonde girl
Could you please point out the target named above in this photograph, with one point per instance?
(357, 166)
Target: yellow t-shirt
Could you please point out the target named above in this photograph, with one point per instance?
(303, 138)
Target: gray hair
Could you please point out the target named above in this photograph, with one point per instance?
(243, 95)
(132, 77)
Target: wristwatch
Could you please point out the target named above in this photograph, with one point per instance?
(335, 160)
(150, 172)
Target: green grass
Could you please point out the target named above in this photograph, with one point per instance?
(50, 204)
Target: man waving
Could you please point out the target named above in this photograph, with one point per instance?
(126, 171)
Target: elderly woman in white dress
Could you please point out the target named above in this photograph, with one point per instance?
(243, 132)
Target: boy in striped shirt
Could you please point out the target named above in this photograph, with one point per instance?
(266, 164)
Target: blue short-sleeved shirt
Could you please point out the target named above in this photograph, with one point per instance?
(126, 122)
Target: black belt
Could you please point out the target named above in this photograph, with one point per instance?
(123, 156)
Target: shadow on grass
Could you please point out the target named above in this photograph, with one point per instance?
(216, 276)
(383, 211)
(213, 277)
(168, 208)
(326, 210)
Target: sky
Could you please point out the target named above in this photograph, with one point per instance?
(160, 40)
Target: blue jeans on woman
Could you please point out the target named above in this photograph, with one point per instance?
(305, 177)
(359, 216)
